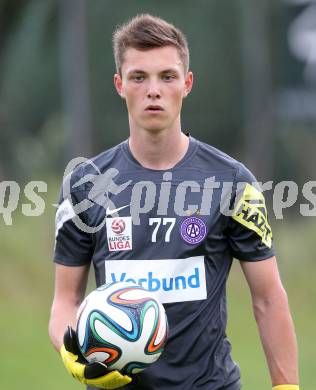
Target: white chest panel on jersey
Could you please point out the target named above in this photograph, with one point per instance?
(173, 280)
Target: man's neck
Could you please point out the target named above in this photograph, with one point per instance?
(161, 150)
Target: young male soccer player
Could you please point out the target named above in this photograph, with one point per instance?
(165, 191)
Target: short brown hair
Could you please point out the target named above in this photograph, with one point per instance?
(145, 32)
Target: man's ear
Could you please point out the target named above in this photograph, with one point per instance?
(188, 83)
(119, 85)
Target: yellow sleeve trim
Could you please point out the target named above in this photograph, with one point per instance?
(251, 212)
(286, 387)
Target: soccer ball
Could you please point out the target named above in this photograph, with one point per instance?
(123, 326)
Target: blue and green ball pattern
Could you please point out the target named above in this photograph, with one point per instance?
(136, 310)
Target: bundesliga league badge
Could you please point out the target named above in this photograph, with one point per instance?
(193, 230)
(119, 233)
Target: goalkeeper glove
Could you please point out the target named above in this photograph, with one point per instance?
(286, 387)
(92, 374)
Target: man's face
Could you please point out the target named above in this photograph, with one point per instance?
(153, 84)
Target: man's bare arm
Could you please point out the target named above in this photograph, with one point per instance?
(274, 320)
(70, 287)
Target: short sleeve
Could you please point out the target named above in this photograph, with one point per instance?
(249, 232)
(73, 243)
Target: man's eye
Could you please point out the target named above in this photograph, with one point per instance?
(168, 77)
(138, 78)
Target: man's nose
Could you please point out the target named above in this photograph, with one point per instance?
(153, 91)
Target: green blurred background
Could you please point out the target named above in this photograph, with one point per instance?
(254, 97)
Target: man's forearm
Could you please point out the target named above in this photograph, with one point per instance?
(278, 339)
(60, 318)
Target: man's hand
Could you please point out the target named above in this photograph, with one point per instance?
(92, 374)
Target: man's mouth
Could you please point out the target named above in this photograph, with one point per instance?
(154, 108)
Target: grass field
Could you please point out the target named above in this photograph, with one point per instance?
(26, 285)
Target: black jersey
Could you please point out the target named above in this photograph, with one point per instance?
(175, 232)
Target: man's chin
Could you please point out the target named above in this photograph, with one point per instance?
(154, 127)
